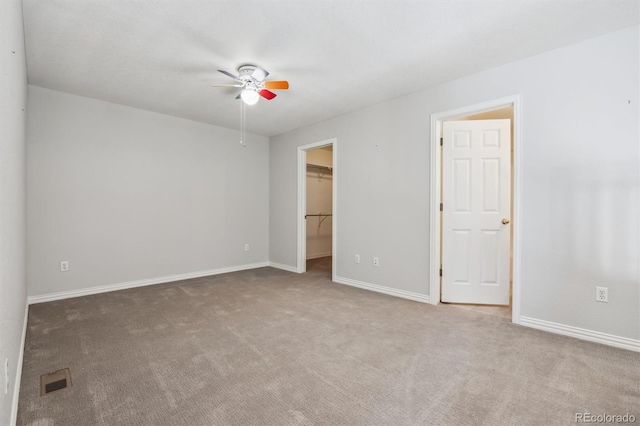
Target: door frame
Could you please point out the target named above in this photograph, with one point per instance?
(301, 266)
(435, 198)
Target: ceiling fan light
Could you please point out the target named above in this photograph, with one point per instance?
(249, 97)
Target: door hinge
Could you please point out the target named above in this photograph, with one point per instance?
(440, 271)
(441, 141)
(441, 206)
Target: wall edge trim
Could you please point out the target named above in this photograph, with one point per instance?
(582, 333)
(416, 297)
(16, 387)
(284, 267)
(140, 283)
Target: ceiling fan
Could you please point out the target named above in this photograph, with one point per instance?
(251, 79)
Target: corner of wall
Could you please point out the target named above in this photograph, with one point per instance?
(13, 285)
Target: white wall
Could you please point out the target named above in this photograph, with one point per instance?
(319, 200)
(580, 182)
(13, 283)
(125, 194)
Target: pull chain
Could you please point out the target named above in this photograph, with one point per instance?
(243, 124)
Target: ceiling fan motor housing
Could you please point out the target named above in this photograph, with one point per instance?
(246, 70)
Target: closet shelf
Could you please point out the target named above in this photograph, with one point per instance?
(317, 167)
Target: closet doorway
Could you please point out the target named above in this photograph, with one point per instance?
(508, 216)
(316, 207)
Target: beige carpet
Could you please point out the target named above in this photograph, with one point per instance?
(268, 347)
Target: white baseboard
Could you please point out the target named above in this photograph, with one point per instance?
(318, 255)
(581, 333)
(284, 267)
(140, 283)
(16, 386)
(382, 289)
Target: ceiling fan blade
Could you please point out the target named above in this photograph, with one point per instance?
(227, 85)
(259, 74)
(228, 74)
(267, 94)
(276, 84)
(238, 97)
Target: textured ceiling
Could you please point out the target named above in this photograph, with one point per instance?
(338, 55)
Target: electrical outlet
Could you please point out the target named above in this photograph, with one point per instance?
(64, 266)
(376, 261)
(357, 258)
(246, 247)
(602, 294)
(6, 375)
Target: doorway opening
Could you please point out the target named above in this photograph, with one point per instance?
(317, 185)
(480, 188)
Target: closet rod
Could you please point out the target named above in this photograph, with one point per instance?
(307, 215)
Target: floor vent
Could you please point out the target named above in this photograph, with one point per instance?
(55, 381)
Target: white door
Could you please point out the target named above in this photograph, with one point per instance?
(476, 197)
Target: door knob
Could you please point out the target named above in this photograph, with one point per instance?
(505, 221)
